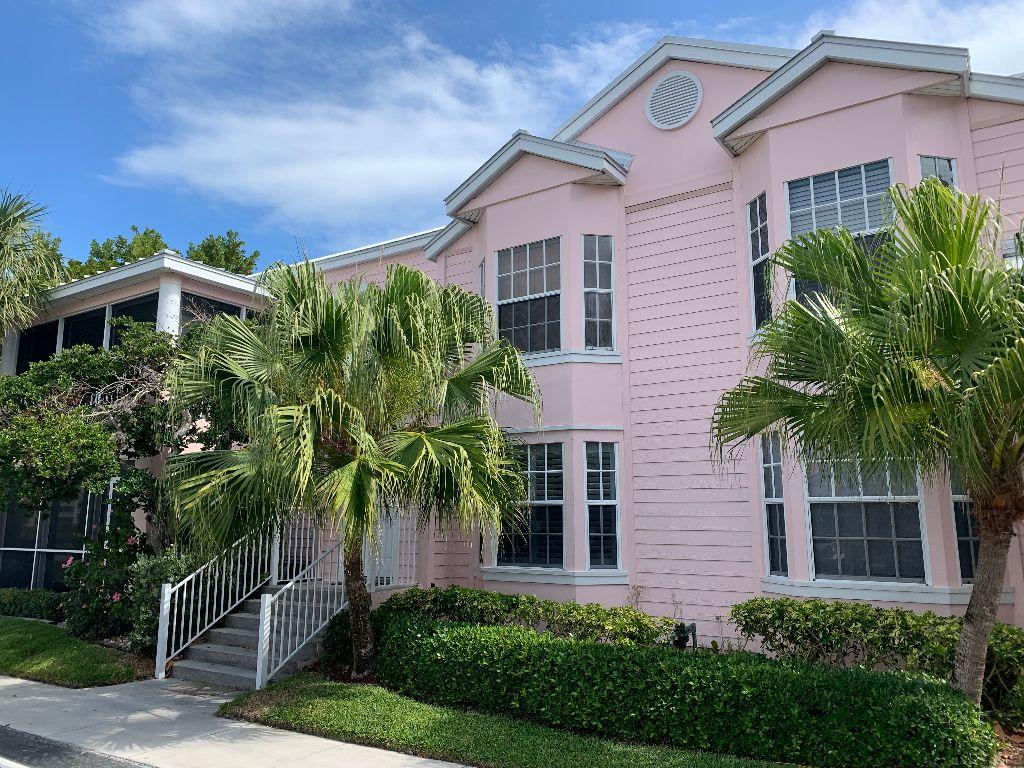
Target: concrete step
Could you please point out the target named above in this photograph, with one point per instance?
(243, 620)
(233, 636)
(215, 653)
(299, 602)
(223, 675)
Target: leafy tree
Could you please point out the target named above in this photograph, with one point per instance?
(912, 354)
(30, 262)
(359, 400)
(117, 251)
(224, 252)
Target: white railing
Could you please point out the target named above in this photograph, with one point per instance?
(298, 611)
(204, 597)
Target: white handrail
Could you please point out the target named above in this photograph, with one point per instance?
(193, 605)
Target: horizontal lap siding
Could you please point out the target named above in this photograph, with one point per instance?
(692, 520)
(999, 162)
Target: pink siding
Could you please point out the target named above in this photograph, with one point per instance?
(997, 136)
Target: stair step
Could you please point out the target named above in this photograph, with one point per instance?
(234, 636)
(242, 620)
(215, 674)
(215, 653)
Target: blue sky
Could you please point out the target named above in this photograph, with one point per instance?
(327, 124)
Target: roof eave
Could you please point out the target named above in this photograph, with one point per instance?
(386, 249)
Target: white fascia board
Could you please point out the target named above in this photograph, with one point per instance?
(850, 50)
(163, 262)
(671, 49)
(446, 237)
(522, 143)
(398, 245)
(996, 87)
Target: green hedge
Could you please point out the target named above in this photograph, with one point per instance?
(844, 634)
(146, 576)
(31, 604)
(735, 703)
(621, 624)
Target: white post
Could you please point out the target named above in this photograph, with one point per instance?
(263, 640)
(161, 637)
(168, 305)
(275, 558)
(9, 361)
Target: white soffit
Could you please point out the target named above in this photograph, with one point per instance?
(671, 49)
(827, 47)
(446, 237)
(383, 250)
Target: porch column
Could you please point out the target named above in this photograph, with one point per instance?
(168, 306)
(9, 361)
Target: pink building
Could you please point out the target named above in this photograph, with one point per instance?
(625, 257)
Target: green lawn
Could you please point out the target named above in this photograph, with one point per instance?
(39, 651)
(369, 714)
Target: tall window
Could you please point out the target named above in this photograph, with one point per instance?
(757, 213)
(865, 527)
(195, 307)
(941, 168)
(775, 515)
(967, 541)
(36, 344)
(537, 541)
(529, 284)
(851, 197)
(141, 310)
(597, 291)
(85, 328)
(602, 505)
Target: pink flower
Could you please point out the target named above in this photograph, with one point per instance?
(69, 562)
(132, 541)
(117, 597)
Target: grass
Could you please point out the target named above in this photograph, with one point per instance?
(35, 650)
(374, 716)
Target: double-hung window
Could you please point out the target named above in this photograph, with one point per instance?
(757, 213)
(597, 291)
(865, 527)
(529, 295)
(775, 515)
(602, 505)
(967, 541)
(537, 539)
(941, 168)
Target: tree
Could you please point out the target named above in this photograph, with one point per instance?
(359, 400)
(30, 262)
(117, 251)
(224, 252)
(912, 354)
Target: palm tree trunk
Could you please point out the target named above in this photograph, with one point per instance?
(359, 605)
(994, 546)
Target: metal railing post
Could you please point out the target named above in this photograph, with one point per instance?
(161, 637)
(275, 558)
(263, 639)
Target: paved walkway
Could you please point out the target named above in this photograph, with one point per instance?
(170, 724)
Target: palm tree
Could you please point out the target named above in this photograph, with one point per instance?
(911, 353)
(29, 263)
(358, 399)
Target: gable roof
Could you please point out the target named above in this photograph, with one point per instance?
(455, 229)
(606, 168)
(665, 50)
(383, 250)
(825, 47)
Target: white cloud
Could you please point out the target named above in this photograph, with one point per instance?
(992, 30)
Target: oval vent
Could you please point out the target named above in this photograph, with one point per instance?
(673, 100)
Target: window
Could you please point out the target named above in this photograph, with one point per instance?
(597, 291)
(941, 168)
(538, 540)
(1013, 251)
(967, 542)
(852, 197)
(85, 328)
(529, 307)
(194, 307)
(602, 505)
(36, 344)
(141, 310)
(757, 212)
(865, 527)
(775, 515)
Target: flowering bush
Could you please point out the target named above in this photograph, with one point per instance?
(96, 604)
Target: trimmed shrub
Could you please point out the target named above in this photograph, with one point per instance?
(734, 703)
(31, 604)
(621, 624)
(855, 634)
(146, 576)
(337, 641)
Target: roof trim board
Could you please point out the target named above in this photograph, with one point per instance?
(382, 250)
(446, 237)
(670, 49)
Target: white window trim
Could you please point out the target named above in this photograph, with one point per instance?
(954, 499)
(751, 263)
(528, 575)
(765, 501)
(494, 564)
(561, 303)
(922, 521)
(611, 291)
(880, 591)
(616, 503)
(956, 172)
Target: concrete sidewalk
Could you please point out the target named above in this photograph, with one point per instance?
(170, 724)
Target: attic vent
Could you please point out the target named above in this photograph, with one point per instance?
(674, 100)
